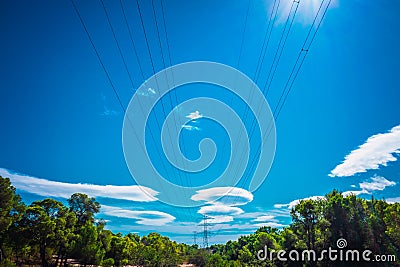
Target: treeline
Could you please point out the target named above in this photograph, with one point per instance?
(48, 233)
(317, 225)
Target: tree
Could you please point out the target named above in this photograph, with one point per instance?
(40, 229)
(88, 247)
(47, 227)
(305, 217)
(65, 221)
(392, 220)
(84, 207)
(11, 209)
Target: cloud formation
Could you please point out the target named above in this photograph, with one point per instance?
(194, 115)
(393, 200)
(220, 209)
(218, 219)
(293, 203)
(191, 127)
(376, 183)
(270, 224)
(228, 196)
(109, 112)
(47, 188)
(377, 151)
(147, 92)
(264, 218)
(144, 217)
(354, 192)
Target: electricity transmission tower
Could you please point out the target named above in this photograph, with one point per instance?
(206, 233)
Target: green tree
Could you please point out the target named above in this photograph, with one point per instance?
(84, 207)
(392, 220)
(11, 209)
(87, 247)
(305, 217)
(40, 230)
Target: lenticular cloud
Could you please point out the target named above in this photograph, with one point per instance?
(377, 151)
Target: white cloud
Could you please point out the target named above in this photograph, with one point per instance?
(270, 224)
(173, 228)
(109, 112)
(272, 212)
(377, 151)
(393, 200)
(229, 196)
(376, 183)
(144, 217)
(44, 187)
(246, 226)
(194, 115)
(218, 219)
(296, 201)
(265, 218)
(220, 209)
(191, 127)
(354, 192)
(147, 92)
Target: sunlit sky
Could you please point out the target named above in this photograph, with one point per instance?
(61, 123)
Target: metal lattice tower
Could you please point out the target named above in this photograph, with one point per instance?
(205, 231)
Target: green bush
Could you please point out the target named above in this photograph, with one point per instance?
(108, 262)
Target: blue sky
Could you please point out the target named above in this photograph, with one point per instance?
(62, 124)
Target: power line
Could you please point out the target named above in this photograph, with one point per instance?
(108, 75)
(277, 59)
(189, 211)
(266, 40)
(304, 50)
(117, 43)
(296, 68)
(97, 54)
(153, 68)
(279, 51)
(170, 63)
(126, 67)
(260, 61)
(132, 40)
(188, 180)
(158, 35)
(163, 62)
(240, 54)
(243, 33)
(277, 56)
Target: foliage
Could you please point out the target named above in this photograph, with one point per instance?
(48, 233)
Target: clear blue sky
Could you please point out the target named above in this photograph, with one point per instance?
(60, 120)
